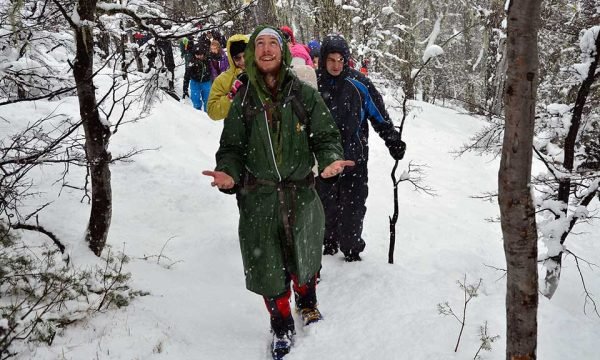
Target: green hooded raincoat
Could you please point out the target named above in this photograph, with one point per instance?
(273, 154)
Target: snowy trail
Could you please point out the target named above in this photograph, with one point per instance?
(199, 308)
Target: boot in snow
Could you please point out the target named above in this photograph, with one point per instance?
(281, 345)
(310, 315)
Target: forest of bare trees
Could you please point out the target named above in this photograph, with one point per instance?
(534, 83)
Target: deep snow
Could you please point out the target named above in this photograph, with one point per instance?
(199, 309)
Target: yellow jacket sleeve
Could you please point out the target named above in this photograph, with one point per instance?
(218, 103)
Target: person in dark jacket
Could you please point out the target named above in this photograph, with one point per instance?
(352, 100)
(314, 55)
(281, 218)
(197, 75)
(166, 53)
(186, 47)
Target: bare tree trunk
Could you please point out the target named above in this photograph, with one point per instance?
(121, 47)
(97, 132)
(248, 19)
(495, 71)
(500, 83)
(514, 194)
(103, 40)
(332, 18)
(468, 67)
(241, 22)
(266, 13)
(318, 31)
(406, 50)
(565, 187)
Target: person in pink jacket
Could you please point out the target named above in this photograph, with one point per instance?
(297, 49)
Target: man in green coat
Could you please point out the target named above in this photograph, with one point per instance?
(266, 155)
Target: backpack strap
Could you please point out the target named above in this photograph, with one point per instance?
(298, 106)
(251, 108)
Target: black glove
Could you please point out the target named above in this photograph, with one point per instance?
(243, 77)
(397, 149)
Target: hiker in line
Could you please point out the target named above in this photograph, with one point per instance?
(314, 55)
(302, 64)
(352, 99)
(197, 75)
(165, 48)
(217, 59)
(364, 68)
(227, 84)
(314, 44)
(297, 49)
(151, 54)
(315, 52)
(275, 129)
(186, 48)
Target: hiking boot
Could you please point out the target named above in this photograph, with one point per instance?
(310, 315)
(282, 345)
(330, 250)
(352, 256)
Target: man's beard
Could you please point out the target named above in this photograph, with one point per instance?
(274, 70)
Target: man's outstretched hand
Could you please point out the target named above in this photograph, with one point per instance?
(224, 181)
(336, 168)
(220, 179)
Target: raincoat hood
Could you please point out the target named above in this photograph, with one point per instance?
(254, 75)
(232, 39)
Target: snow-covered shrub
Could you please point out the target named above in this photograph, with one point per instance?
(42, 292)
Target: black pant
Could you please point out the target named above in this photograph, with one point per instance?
(344, 204)
(282, 321)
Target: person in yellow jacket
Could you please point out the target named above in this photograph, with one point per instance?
(226, 84)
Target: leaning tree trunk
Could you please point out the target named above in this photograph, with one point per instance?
(97, 132)
(514, 192)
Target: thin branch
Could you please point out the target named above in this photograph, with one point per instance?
(51, 95)
(65, 14)
(541, 157)
(42, 230)
(588, 296)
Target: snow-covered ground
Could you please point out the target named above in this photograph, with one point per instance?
(198, 307)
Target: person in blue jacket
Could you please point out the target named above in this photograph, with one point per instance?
(354, 103)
